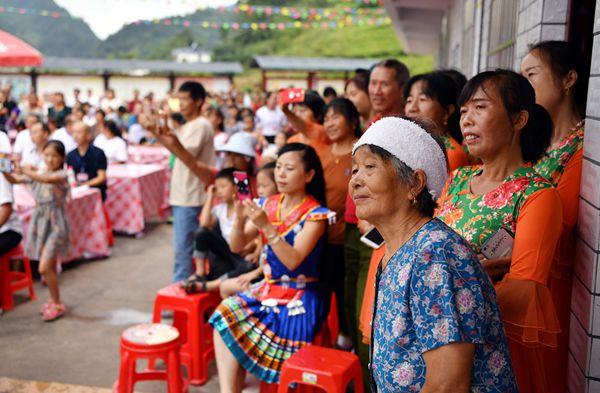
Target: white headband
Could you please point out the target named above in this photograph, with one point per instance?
(412, 145)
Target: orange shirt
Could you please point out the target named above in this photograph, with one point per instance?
(337, 171)
(366, 311)
(457, 156)
(314, 136)
(566, 176)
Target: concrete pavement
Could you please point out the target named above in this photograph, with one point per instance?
(104, 297)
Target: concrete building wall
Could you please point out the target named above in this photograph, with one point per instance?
(48, 84)
(125, 85)
(584, 357)
(454, 32)
(214, 84)
(485, 34)
(539, 20)
(467, 34)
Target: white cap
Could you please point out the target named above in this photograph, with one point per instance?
(240, 143)
(412, 145)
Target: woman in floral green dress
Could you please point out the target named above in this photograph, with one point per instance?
(505, 128)
(556, 71)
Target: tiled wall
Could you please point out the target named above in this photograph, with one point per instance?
(546, 20)
(584, 356)
(485, 34)
(537, 20)
(452, 57)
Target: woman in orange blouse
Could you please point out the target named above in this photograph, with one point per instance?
(342, 127)
(434, 96)
(306, 120)
(556, 72)
(505, 197)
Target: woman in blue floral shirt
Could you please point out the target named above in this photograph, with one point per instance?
(436, 323)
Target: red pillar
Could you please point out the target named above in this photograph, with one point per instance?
(264, 80)
(311, 80)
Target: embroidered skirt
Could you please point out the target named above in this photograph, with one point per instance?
(262, 334)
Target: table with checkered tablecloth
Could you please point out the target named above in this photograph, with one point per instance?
(136, 193)
(87, 223)
(139, 154)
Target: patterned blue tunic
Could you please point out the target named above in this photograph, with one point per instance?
(434, 292)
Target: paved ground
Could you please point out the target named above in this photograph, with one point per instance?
(104, 297)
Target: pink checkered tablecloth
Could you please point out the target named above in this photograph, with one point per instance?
(135, 193)
(139, 154)
(87, 223)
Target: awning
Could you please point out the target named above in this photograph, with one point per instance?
(418, 23)
(16, 53)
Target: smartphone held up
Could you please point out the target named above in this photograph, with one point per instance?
(242, 185)
(291, 96)
(6, 165)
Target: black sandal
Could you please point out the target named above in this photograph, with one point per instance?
(191, 285)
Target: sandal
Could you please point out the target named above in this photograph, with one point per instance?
(45, 306)
(192, 284)
(53, 312)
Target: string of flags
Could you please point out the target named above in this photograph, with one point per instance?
(348, 21)
(298, 12)
(305, 18)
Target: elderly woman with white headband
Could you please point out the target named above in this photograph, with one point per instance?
(436, 324)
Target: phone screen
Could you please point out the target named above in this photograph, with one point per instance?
(242, 185)
(373, 238)
(6, 165)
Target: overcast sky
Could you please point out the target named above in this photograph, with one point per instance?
(106, 17)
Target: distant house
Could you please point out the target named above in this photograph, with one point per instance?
(191, 54)
(122, 75)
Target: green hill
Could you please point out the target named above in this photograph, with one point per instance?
(73, 37)
(355, 41)
(156, 41)
(52, 37)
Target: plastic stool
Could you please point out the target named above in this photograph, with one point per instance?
(330, 329)
(150, 341)
(191, 319)
(109, 232)
(326, 337)
(11, 282)
(328, 369)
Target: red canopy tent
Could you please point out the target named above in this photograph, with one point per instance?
(16, 53)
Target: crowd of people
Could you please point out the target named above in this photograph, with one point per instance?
(472, 184)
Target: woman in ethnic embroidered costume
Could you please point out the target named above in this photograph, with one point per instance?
(507, 130)
(257, 330)
(558, 75)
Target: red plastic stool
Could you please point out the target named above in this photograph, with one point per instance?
(330, 329)
(326, 337)
(109, 232)
(11, 282)
(191, 314)
(150, 341)
(326, 368)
